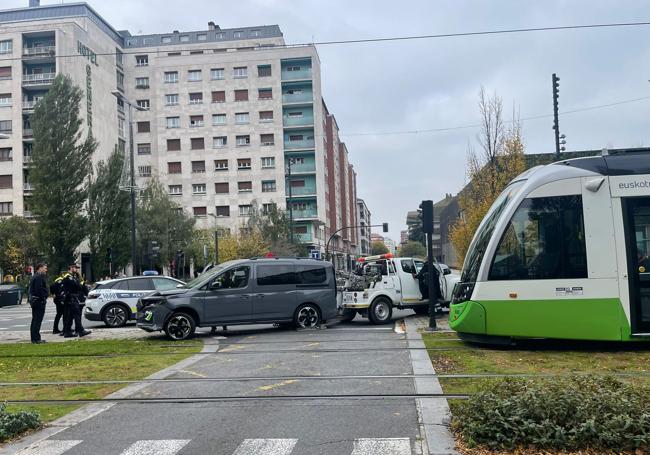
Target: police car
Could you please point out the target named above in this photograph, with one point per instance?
(114, 301)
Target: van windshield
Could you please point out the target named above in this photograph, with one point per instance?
(207, 276)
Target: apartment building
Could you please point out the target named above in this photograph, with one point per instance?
(363, 215)
(226, 119)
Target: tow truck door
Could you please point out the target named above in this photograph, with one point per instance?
(410, 285)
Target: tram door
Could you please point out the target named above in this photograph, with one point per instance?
(637, 210)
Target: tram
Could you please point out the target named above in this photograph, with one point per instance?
(562, 253)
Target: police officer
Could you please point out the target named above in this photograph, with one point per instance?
(56, 289)
(73, 294)
(38, 293)
(423, 281)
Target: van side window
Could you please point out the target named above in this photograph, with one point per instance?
(276, 275)
(544, 240)
(311, 274)
(408, 266)
(234, 278)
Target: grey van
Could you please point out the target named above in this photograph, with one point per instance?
(246, 291)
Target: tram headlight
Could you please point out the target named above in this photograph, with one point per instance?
(462, 292)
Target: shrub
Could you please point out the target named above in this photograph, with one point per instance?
(13, 423)
(557, 413)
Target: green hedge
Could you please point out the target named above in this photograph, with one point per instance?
(14, 423)
(556, 413)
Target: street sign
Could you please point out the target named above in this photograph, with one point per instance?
(314, 254)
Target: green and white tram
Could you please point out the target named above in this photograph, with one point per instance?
(562, 253)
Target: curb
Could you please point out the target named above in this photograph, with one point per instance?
(91, 410)
(433, 413)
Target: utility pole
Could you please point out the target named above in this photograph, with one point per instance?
(556, 121)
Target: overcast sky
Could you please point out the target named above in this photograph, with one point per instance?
(426, 84)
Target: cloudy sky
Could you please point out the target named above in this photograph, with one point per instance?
(429, 84)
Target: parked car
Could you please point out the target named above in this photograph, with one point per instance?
(246, 291)
(114, 301)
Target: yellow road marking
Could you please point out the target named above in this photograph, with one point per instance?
(193, 373)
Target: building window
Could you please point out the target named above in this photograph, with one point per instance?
(294, 91)
(200, 212)
(198, 188)
(256, 33)
(221, 188)
(269, 208)
(185, 38)
(5, 154)
(141, 82)
(267, 139)
(263, 70)
(201, 37)
(6, 208)
(219, 97)
(241, 118)
(144, 149)
(173, 122)
(144, 104)
(5, 72)
(219, 141)
(295, 114)
(5, 99)
(268, 162)
(294, 68)
(194, 75)
(173, 145)
(196, 121)
(6, 47)
(242, 141)
(265, 93)
(171, 99)
(144, 171)
(141, 60)
(244, 210)
(216, 74)
(174, 168)
(197, 143)
(241, 95)
(171, 76)
(198, 167)
(218, 119)
(245, 187)
(5, 126)
(6, 181)
(220, 36)
(166, 39)
(297, 183)
(243, 164)
(175, 190)
(220, 165)
(144, 127)
(268, 186)
(120, 127)
(296, 137)
(120, 79)
(240, 72)
(238, 34)
(196, 98)
(545, 240)
(266, 116)
(223, 210)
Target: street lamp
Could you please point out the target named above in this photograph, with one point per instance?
(216, 240)
(120, 96)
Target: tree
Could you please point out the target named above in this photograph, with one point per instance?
(412, 250)
(161, 220)
(501, 158)
(60, 172)
(109, 216)
(274, 228)
(378, 247)
(17, 245)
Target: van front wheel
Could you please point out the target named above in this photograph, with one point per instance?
(381, 311)
(180, 326)
(307, 316)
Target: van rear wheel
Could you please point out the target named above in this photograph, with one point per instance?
(307, 316)
(381, 311)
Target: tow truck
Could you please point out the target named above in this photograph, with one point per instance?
(383, 282)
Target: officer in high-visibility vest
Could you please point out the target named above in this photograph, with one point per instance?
(74, 294)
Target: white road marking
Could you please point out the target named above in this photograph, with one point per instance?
(266, 447)
(382, 446)
(21, 325)
(49, 447)
(156, 447)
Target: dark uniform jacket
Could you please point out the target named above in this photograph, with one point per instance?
(38, 287)
(73, 290)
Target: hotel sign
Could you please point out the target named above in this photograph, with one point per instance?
(87, 52)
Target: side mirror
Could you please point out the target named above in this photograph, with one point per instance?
(215, 285)
(178, 286)
(446, 271)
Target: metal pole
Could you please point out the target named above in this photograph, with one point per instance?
(216, 244)
(556, 121)
(433, 296)
(290, 204)
(134, 258)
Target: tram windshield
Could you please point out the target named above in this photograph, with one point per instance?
(480, 242)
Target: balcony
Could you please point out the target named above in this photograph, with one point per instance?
(304, 168)
(28, 133)
(304, 97)
(300, 144)
(38, 79)
(28, 214)
(29, 105)
(27, 159)
(304, 238)
(302, 74)
(308, 213)
(39, 51)
(302, 191)
(305, 120)
(27, 188)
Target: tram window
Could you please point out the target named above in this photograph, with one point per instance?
(544, 240)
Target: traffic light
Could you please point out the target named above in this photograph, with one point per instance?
(427, 217)
(384, 227)
(109, 255)
(154, 248)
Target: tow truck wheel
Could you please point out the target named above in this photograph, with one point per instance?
(381, 311)
(348, 315)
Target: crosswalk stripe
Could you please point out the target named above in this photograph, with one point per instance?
(384, 446)
(266, 447)
(156, 447)
(49, 447)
